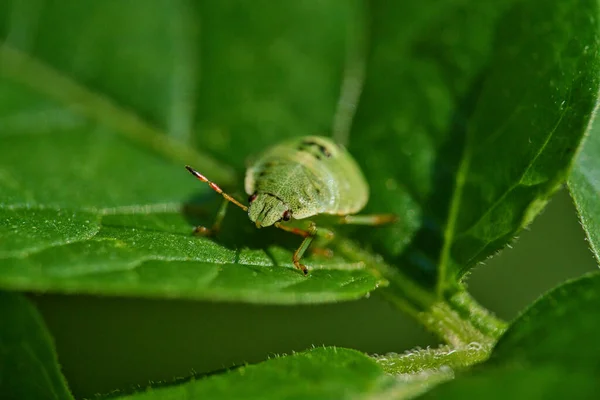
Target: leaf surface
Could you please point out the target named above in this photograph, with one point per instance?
(482, 105)
(28, 365)
(584, 185)
(322, 373)
(93, 194)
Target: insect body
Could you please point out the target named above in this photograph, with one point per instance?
(304, 177)
(301, 178)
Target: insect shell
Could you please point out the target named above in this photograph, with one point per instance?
(303, 177)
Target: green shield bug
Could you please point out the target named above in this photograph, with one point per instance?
(301, 178)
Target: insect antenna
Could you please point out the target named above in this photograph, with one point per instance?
(215, 187)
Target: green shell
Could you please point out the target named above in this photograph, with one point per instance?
(307, 176)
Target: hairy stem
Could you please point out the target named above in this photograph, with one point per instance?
(480, 317)
(458, 320)
(433, 359)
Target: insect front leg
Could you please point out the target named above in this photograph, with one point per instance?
(309, 235)
(216, 227)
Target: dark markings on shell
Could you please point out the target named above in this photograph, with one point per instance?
(322, 150)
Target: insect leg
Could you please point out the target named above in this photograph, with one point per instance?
(201, 230)
(294, 230)
(300, 252)
(215, 187)
(374, 219)
(309, 235)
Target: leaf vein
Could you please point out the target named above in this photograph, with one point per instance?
(519, 182)
(34, 73)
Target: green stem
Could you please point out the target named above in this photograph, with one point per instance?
(419, 360)
(421, 369)
(458, 321)
(480, 317)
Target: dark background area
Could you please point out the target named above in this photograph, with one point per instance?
(109, 343)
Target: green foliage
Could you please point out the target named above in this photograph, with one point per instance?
(89, 211)
(548, 352)
(153, 254)
(28, 366)
(455, 113)
(572, 305)
(528, 361)
(484, 104)
(322, 373)
(469, 120)
(584, 184)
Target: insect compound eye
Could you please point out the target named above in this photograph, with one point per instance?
(252, 197)
(287, 215)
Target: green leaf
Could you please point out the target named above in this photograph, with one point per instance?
(544, 382)
(28, 365)
(96, 126)
(550, 351)
(322, 373)
(482, 106)
(584, 185)
(239, 75)
(153, 254)
(536, 336)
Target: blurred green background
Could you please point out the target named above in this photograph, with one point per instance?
(109, 343)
